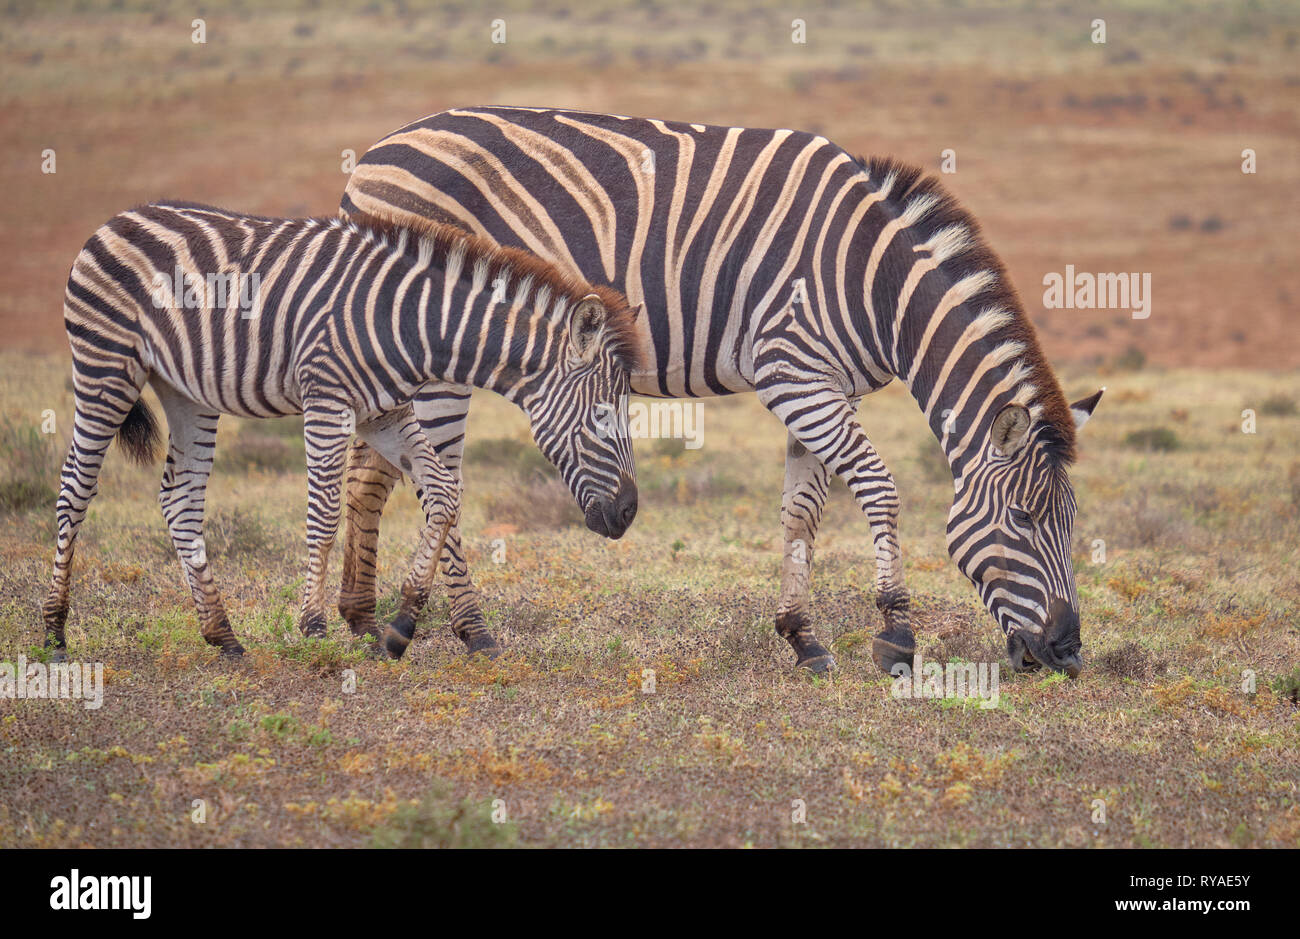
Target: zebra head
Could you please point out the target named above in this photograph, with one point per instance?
(579, 419)
(1010, 530)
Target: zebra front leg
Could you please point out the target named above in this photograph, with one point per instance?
(326, 428)
(807, 483)
(192, 437)
(821, 418)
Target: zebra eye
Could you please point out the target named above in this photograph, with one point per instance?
(1022, 518)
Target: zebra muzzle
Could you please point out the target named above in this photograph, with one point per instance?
(613, 517)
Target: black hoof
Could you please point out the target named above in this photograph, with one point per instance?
(808, 652)
(398, 635)
(482, 644)
(889, 653)
(822, 664)
(58, 656)
(231, 650)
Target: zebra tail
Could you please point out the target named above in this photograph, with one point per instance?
(138, 435)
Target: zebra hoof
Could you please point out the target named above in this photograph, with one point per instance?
(483, 644)
(58, 656)
(809, 653)
(889, 656)
(398, 635)
(313, 626)
(817, 664)
(231, 650)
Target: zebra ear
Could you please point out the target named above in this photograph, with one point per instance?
(585, 323)
(1010, 429)
(1082, 410)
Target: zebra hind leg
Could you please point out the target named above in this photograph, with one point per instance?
(441, 410)
(192, 437)
(807, 483)
(400, 437)
(114, 408)
(371, 479)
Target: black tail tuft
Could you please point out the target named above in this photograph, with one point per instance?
(138, 435)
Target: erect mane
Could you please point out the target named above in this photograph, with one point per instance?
(517, 264)
(910, 183)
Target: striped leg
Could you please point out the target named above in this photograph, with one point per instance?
(401, 438)
(192, 431)
(442, 410)
(821, 418)
(807, 483)
(99, 415)
(326, 428)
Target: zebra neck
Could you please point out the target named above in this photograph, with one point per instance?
(961, 374)
(453, 327)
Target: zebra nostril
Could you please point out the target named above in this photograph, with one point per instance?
(628, 512)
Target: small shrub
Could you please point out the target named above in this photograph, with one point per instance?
(1288, 686)
(538, 506)
(275, 446)
(518, 456)
(1153, 439)
(934, 465)
(1131, 359)
(29, 468)
(1278, 405)
(441, 821)
(1129, 660)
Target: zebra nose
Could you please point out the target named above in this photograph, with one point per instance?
(1062, 637)
(623, 509)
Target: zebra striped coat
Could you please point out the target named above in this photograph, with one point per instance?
(773, 261)
(259, 317)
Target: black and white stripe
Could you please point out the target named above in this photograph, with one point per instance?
(343, 323)
(773, 261)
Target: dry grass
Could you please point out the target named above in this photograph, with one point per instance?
(1119, 157)
(1191, 596)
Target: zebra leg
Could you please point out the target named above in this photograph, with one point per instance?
(371, 479)
(192, 438)
(97, 419)
(440, 497)
(441, 410)
(327, 426)
(821, 418)
(807, 482)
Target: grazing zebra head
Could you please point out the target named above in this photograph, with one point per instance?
(569, 411)
(1011, 527)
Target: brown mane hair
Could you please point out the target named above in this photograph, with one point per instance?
(912, 182)
(620, 320)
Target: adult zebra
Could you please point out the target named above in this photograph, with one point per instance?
(341, 322)
(773, 261)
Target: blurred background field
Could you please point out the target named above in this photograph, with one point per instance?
(1123, 156)
(1115, 157)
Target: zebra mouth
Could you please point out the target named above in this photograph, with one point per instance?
(1023, 660)
(1019, 655)
(613, 517)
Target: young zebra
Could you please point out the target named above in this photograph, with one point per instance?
(341, 322)
(773, 261)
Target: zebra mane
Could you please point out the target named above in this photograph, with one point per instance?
(937, 213)
(518, 266)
